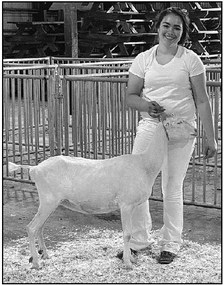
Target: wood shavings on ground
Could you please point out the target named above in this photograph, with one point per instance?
(91, 258)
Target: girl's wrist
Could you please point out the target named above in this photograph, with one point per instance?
(211, 140)
(145, 106)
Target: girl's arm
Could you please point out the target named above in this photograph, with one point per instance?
(198, 84)
(134, 89)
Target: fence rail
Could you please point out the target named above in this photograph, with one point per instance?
(82, 112)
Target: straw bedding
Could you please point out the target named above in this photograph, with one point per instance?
(89, 257)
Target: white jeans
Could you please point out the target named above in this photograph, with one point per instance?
(173, 173)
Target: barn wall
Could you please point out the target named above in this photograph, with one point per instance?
(159, 5)
(16, 16)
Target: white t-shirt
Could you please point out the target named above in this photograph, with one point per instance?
(169, 84)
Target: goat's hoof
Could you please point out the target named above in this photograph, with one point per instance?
(128, 266)
(35, 266)
(40, 251)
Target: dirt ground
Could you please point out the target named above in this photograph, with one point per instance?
(201, 225)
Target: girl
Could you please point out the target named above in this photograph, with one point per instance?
(171, 78)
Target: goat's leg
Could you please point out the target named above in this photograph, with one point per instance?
(42, 247)
(34, 227)
(126, 214)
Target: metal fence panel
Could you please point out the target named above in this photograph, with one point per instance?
(25, 119)
(47, 112)
(24, 61)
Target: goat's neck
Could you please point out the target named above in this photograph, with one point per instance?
(156, 151)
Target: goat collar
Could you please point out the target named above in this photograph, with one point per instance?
(162, 118)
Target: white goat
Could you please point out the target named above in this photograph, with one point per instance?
(99, 186)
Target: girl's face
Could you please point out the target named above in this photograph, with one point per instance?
(170, 30)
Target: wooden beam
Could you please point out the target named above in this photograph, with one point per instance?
(71, 30)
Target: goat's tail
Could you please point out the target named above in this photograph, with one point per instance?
(14, 167)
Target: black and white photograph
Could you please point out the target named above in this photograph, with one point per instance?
(112, 142)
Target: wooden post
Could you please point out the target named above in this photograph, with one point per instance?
(71, 30)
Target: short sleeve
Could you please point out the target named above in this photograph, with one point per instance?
(138, 66)
(195, 64)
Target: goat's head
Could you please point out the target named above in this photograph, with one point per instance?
(179, 130)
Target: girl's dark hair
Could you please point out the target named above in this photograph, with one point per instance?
(183, 14)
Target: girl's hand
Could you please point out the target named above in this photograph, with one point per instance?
(154, 109)
(210, 149)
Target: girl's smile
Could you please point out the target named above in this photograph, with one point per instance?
(171, 29)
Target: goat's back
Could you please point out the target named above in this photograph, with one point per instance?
(91, 186)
